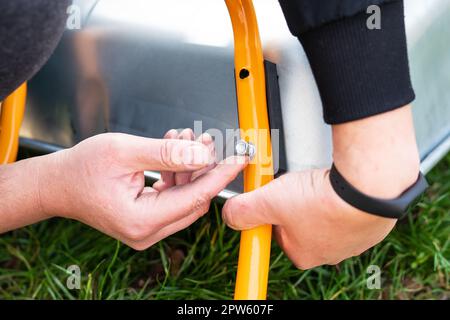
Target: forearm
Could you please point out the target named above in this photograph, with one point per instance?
(19, 193)
(378, 155)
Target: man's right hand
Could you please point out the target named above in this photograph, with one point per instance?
(101, 182)
(378, 155)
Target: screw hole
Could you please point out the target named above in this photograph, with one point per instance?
(244, 73)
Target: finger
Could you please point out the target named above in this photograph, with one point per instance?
(161, 154)
(182, 178)
(193, 198)
(148, 190)
(201, 172)
(161, 186)
(170, 230)
(252, 209)
(167, 177)
(207, 140)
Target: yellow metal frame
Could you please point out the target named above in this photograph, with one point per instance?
(254, 252)
(11, 116)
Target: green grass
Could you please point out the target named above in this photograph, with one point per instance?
(200, 263)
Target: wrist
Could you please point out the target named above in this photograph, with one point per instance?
(51, 185)
(378, 155)
(20, 189)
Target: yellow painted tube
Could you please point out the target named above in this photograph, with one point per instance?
(12, 111)
(254, 253)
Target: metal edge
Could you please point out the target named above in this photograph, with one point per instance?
(224, 195)
(435, 155)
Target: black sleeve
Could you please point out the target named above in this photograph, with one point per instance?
(29, 32)
(359, 72)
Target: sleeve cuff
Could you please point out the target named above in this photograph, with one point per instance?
(360, 72)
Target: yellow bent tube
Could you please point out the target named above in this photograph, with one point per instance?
(12, 111)
(254, 252)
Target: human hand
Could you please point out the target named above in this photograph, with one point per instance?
(312, 224)
(100, 182)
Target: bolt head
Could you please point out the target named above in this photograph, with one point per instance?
(251, 151)
(241, 148)
(244, 148)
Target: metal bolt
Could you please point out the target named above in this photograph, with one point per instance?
(244, 148)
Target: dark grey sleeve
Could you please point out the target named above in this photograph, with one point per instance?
(29, 33)
(360, 72)
(304, 15)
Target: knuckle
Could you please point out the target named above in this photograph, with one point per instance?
(134, 233)
(166, 153)
(306, 263)
(201, 204)
(138, 246)
(141, 245)
(110, 144)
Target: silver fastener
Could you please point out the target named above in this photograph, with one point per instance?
(244, 148)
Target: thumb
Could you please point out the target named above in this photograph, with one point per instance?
(192, 199)
(165, 154)
(252, 209)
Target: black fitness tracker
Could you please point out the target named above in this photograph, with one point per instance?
(390, 208)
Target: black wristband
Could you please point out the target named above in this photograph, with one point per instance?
(389, 208)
